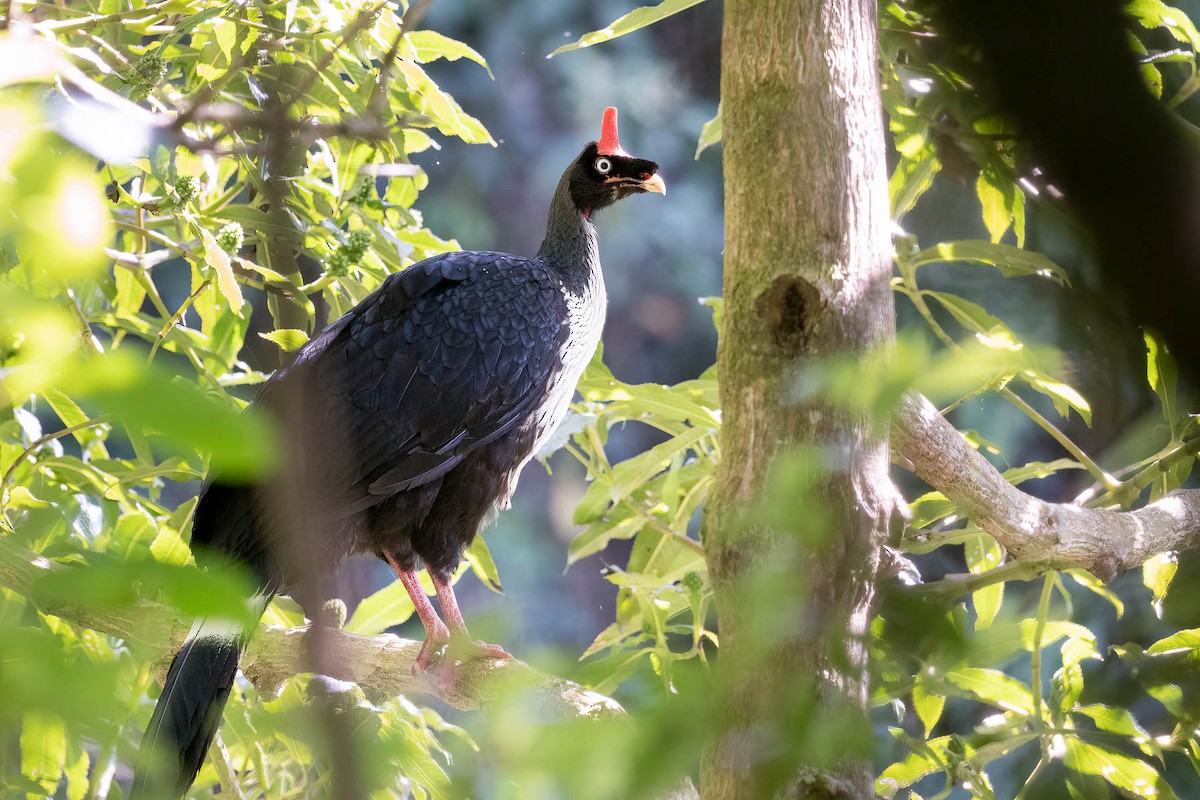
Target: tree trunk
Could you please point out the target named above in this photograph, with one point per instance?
(803, 496)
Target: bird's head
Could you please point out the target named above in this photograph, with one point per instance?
(604, 173)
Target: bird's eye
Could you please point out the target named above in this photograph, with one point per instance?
(603, 166)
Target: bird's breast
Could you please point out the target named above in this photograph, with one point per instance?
(585, 311)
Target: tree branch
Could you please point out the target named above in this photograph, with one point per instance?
(381, 665)
(1101, 541)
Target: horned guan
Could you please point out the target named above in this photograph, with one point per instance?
(407, 422)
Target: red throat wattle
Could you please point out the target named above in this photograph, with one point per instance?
(609, 144)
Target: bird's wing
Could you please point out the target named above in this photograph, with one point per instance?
(446, 356)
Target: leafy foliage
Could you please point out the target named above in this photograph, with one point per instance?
(261, 186)
(936, 120)
(185, 175)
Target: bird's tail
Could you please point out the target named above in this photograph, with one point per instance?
(189, 710)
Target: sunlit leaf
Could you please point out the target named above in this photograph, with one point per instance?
(1126, 773)
(928, 703)
(1157, 573)
(483, 565)
(993, 687)
(996, 214)
(389, 606)
(218, 259)
(710, 134)
(431, 45)
(1035, 470)
(1161, 374)
(43, 750)
(288, 339)
(910, 180)
(634, 20)
(984, 554)
(1013, 262)
(1065, 398)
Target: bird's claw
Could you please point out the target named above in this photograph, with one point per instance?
(441, 651)
(470, 649)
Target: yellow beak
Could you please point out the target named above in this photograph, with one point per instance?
(655, 183)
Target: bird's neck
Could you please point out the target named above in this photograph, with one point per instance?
(570, 243)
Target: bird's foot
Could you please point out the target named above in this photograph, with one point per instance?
(436, 639)
(463, 648)
(440, 661)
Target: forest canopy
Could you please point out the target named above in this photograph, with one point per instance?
(191, 190)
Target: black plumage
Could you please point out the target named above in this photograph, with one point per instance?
(407, 421)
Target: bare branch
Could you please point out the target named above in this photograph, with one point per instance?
(1102, 541)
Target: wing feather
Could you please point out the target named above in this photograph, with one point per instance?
(445, 357)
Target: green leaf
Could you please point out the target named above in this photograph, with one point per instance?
(43, 750)
(710, 134)
(624, 478)
(76, 771)
(1012, 262)
(1157, 14)
(169, 548)
(1035, 470)
(634, 20)
(970, 315)
(929, 508)
(68, 411)
(445, 112)
(620, 524)
(1087, 787)
(1121, 722)
(1066, 686)
(996, 213)
(1122, 771)
(259, 221)
(911, 179)
(984, 554)
(1093, 584)
(188, 23)
(1187, 639)
(930, 758)
(989, 331)
(430, 45)
(483, 565)
(1157, 574)
(288, 339)
(227, 283)
(993, 687)
(1065, 398)
(389, 606)
(225, 34)
(1053, 630)
(1162, 376)
(109, 585)
(928, 704)
(181, 413)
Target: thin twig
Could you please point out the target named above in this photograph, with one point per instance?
(42, 441)
(183, 307)
(92, 20)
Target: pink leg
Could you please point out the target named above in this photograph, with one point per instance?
(458, 628)
(436, 632)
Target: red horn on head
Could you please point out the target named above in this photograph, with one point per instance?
(609, 144)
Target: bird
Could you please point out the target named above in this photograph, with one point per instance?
(406, 423)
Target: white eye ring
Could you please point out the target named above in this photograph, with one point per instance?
(603, 166)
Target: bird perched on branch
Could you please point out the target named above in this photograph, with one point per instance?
(407, 421)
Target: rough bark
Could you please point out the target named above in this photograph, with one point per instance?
(1102, 541)
(807, 273)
